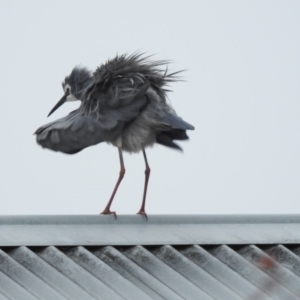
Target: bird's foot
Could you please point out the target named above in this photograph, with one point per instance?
(143, 213)
(107, 211)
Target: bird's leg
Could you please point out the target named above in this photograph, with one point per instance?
(107, 211)
(147, 175)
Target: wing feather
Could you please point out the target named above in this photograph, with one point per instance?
(70, 134)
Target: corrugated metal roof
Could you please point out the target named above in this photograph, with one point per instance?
(155, 272)
(163, 271)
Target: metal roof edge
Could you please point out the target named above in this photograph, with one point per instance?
(152, 219)
(126, 230)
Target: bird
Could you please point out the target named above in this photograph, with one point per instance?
(124, 103)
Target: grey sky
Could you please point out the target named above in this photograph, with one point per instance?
(241, 93)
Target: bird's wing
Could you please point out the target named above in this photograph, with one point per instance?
(116, 105)
(119, 103)
(122, 89)
(165, 121)
(163, 117)
(70, 134)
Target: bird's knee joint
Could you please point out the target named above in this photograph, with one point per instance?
(122, 172)
(147, 171)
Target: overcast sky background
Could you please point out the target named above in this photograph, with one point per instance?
(241, 93)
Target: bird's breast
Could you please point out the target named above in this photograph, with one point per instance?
(137, 136)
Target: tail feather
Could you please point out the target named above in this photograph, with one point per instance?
(166, 138)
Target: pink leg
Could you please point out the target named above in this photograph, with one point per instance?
(107, 210)
(147, 175)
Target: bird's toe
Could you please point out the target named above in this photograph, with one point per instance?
(109, 212)
(143, 213)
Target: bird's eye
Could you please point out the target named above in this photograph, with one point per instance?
(67, 91)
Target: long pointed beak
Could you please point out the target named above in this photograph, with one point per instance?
(59, 103)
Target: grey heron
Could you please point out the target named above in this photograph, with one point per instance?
(124, 103)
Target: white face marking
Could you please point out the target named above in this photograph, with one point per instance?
(67, 87)
(70, 97)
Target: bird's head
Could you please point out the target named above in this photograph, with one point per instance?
(74, 86)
